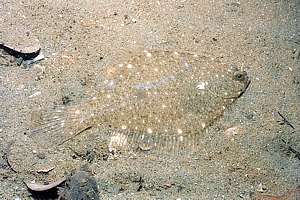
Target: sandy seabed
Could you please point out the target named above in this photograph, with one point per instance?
(250, 152)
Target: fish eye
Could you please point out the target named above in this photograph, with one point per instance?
(240, 76)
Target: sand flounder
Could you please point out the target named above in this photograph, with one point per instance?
(154, 99)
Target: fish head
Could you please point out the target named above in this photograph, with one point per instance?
(239, 81)
(223, 82)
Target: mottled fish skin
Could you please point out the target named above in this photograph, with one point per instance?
(154, 99)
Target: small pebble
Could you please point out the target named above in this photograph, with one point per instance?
(261, 188)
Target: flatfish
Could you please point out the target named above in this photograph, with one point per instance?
(151, 100)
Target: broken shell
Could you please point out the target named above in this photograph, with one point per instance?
(46, 170)
(40, 187)
(232, 131)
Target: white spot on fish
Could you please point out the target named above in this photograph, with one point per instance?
(181, 138)
(77, 112)
(129, 66)
(149, 130)
(148, 55)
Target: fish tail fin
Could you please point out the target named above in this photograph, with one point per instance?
(53, 127)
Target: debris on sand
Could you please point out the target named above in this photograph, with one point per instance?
(291, 149)
(46, 170)
(41, 187)
(282, 120)
(232, 131)
(80, 185)
(23, 57)
(296, 54)
(34, 60)
(21, 53)
(22, 44)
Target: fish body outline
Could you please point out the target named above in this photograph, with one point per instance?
(152, 99)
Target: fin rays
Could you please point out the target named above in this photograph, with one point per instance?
(155, 142)
(51, 127)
